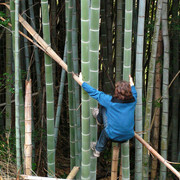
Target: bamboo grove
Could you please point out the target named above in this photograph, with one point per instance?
(106, 41)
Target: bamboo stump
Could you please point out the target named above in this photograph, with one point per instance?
(115, 159)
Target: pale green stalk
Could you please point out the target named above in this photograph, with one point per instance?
(8, 75)
(94, 66)
(165, 89)
(150, 89)
(70, 84)
(126, 72)
(49, 93)
(53, 14)
(139, 88)
(17, 75)
(85, 165)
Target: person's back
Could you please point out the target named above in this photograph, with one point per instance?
(119, 113)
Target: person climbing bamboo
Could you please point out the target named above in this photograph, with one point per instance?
(116, 113)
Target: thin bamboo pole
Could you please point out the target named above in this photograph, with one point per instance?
(155, 153)
(28, 129)
(17, 94)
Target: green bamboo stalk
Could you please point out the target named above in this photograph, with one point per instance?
(70, 83)
(85, 165)
(8, 75)
(15, 5)
(139, 88)
(53, 14)
(165, 89)
(49, 93)
(119, 41)
(94, 66)
(76, 90)
(60, 97)
(126, 72)
(150, 89)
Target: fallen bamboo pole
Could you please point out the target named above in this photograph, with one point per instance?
(155, 153)
(73, 172)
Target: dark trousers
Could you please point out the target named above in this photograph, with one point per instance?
(103, 138)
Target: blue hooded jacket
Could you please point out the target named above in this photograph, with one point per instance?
(120, 115)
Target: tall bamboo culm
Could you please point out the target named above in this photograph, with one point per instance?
(85, 164)
(60, 98)
(157, 97)
(126, 72)
(8, 75)
(94, 66)
(139, 87)
(49, 93)
(70, 82)
(150, 89)
(165, 89)
(28, 129)
(17, 65)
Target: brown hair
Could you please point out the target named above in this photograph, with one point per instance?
(123, 90)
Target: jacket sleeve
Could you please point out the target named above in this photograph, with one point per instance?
(133, 90)
(100, 96)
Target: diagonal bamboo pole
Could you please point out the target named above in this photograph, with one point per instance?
(155, 153)
(50, 51)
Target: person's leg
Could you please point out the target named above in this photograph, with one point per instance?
(101, 116)
(102, 141)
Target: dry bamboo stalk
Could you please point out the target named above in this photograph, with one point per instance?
(73, 172)
(155, 153)
(115, 159)
(28, 130)
(120, 170)
(24, 35)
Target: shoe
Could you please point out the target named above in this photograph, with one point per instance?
(95, 112)
(95, 152)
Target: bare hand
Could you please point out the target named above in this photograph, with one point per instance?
(131, 81)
